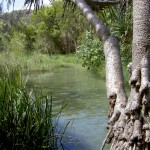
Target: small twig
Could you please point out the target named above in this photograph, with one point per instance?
(104, 142)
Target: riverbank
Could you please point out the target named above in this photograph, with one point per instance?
(36, 61)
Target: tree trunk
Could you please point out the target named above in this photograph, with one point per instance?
(138, 106)
(135, 134)
(133, 129)
(129, 121)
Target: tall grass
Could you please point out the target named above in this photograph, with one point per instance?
(35, 61)
(27, 121)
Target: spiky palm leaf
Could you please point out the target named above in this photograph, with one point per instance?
(93, 3)
(97, 5)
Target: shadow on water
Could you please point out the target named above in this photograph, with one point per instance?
(85, 96)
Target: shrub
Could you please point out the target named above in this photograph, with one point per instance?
(90, 53)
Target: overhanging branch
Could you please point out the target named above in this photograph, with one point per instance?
(114, 75)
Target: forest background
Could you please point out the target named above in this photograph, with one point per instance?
(49, 31)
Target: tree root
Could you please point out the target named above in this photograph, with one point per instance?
(114, 117)
(135, 76)
(112, 101)
(130, 126)
(137, 131)
(147, 136)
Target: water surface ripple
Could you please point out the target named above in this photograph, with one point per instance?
(85, 94)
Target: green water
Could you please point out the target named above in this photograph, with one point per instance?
(85, 95)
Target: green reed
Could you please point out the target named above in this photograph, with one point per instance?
(27, 120)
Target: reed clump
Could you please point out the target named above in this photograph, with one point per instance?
(27, 120)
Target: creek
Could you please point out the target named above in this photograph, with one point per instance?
(85, 96)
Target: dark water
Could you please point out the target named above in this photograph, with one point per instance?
(85, 96)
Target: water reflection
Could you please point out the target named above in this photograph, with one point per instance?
(85, 95)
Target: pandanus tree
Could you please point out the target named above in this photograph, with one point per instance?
(129, 118)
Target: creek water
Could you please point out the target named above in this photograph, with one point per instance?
(85, 96)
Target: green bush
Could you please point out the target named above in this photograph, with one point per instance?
(90, 52)
(26, 120)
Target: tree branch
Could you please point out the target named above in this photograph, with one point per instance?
(114, 74)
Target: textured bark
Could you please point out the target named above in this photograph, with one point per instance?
(136, 132)
(129, 121)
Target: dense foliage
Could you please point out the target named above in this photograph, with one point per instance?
(90, 52)
(49, 30)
